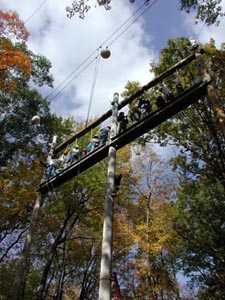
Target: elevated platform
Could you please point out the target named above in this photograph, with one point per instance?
(157, 117)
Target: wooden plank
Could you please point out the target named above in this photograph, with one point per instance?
(133, 132)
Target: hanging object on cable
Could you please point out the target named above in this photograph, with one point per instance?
(35, 120)
(105, 53)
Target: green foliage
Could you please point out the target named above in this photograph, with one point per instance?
(209, 11)
(200, 165)
(200, 222)
(152, 257)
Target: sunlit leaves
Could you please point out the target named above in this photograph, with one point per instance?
(12, 27)
(14, 63)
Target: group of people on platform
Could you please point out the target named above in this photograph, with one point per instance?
(136, 113)
(143, 107)
(140, 110)
(68, 157)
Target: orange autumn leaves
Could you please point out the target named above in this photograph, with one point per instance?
(13, 62)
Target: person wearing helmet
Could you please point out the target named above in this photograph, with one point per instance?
(62, 161)
(50, 165)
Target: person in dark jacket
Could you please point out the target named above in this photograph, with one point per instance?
(166, 92)
(104, 132)
(145, 107)
(122, 122)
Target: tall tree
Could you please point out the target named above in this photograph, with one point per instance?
(22, 145)
(13, 61)
(200, 164)
(154, 258)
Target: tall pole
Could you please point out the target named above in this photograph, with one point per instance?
(17, 286)
(106, 258)
(212, 96)
(16, 290)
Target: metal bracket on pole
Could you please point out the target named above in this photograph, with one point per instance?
(106, 258)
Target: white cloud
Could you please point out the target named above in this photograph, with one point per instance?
(69, 42)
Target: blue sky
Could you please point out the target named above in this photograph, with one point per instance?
(70, 42)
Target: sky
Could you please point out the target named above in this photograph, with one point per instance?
(82, 78)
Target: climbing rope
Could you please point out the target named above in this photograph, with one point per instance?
(92, 88)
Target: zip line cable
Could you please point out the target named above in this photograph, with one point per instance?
(92, 88)
(200, 31)
(76, 69)
(142, 13)
(36, 10)
(104, 42)
(74, 77)
(98, 58)
(124, 23)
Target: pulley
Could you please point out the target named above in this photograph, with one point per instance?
(35, 120)
(105, 53)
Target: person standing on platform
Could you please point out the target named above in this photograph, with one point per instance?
(104, 132)
(95, 142)
(89, 147)
(84, 151)
(166, 92)
(63, 160)
(122, 122)
(73, 155)
(160, 101)
(145, 107)
(50, 165)
(134, 114)
(179, 87)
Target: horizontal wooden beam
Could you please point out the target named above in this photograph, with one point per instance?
(156, 118)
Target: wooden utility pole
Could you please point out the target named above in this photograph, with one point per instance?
(217, 108)
(106, 258)
(16, 290)
(212, 96)
(17, 286)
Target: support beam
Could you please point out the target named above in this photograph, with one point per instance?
(106, 258)
(16, 289)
